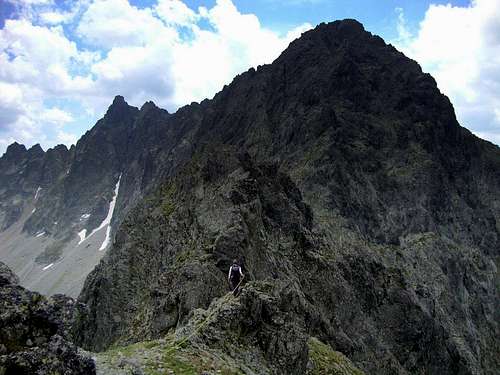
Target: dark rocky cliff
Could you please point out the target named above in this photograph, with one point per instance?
(22, 173)
(358, 190)
(34, 332)
(366, 217)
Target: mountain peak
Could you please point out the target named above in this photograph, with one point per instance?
(61, 148)
(15, 150)
(119, 110)
(148, 106)
(119, 100)
(347, 29)
(329, 37)
(347, 24)
(36, 150)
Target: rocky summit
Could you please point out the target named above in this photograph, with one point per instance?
(366, 219)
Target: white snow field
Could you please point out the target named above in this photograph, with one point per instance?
(79, 256)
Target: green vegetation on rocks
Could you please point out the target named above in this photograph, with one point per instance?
(325, 361)
(163, 356)
(168, 203)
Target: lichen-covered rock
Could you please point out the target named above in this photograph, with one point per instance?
(263, 331)
(325, 361)
(57, 356)
(35, 333)
(266, 328)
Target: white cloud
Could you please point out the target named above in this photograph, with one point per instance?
(497, 115)
(298, 2)
(31, 54)
(55, 18)
(35, 65)
(11, 99)
(175, 12)
(49, 15)
(140, 73)
(115, 23)
(460, 47)
(66, 138)
(147, 58)
(56, 116)
(404, 35)
(213, 57)
(164, 53)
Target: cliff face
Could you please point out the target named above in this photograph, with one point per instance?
(34, 332)
(358, 191)
(428, 304)
(56, 206)
(342, 110)
(22, 172)
(366, 218)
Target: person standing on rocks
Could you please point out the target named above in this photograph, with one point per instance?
(234, 277)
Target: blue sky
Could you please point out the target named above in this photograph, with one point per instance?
(62, 62)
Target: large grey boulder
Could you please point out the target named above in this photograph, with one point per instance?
(35, 332)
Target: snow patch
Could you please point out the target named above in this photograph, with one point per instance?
(108, 218)
(82, 234)
(37, 191)
(106, 240)
(40, 234)
(47, 267)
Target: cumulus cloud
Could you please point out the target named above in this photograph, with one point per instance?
(175, 12)
(237, 42)
(11, 100)
(35, 65)
(96, 49)
(460, 47)
(55, 18)
(56, 116)
(116, 23)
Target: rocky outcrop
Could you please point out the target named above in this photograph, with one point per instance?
(34, 332)
(185, 242)
(263, 331)
(267, 324)
(365, 133)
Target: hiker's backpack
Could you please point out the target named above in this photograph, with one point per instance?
(235, 271)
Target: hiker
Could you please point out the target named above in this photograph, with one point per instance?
(235, 277)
